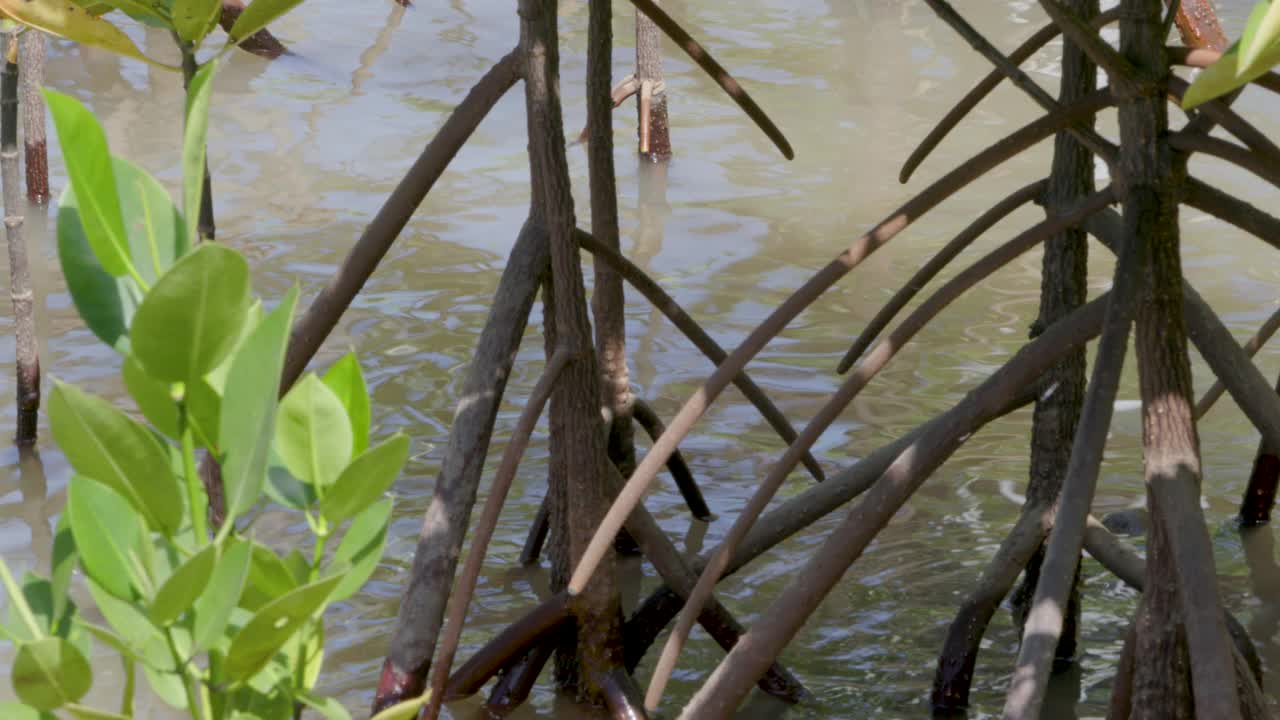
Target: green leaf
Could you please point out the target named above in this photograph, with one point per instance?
(258, 15)
(249, 407)
(213, 609)
(313, 434)
(273, 625)
(153, 397)
(1261, 32)
(299, 566)
(193, 19)
(63, 564)
(365, 479)
(23, 625)
(405, 709)
(84, 149)
(103, 443)
(328, 707)
(50, 673)
(1226, 75)
(181, 590)
(168, 686)
(191, 319)
(107, 532)
(156, 238)
(193, 137)
(362, 546)
(74, 23)
(347, 382)
(18, 711)
(284, 488)
(80, 712)
(204, 410)
(269, 578)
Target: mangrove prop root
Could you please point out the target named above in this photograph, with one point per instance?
(716, 72)
(515, 640)
(679, 469)
(1219, 112)
(877, 360)
(868, 243)
(1260, 493)
(325, 311)
(959, 654)
(445, 523)
(537, 536)
(1249, 218)
(1123, 77)
(730, 681)
(1250, 348)
(517, 679)
(935, 265)
(1058, 571)
(1122, 688)
(685, 323)
(1266, 168)
(621, 696)
(980, 91)
(460, 598)
(27, 383)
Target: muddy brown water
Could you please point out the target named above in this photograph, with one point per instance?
(304, 149)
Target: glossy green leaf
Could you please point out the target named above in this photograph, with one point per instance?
(365, 479)
(108, 533)
(299, 566)
(191, 318)
(1260, 33)
(405, 709)
(195, 130)
(193, 19)
(249, 407)
(80, 712)
(168, 686)
(273, 625)
(74, 23)
(89, 168)
(18, 711)
(256, 17)
(23, 622)
(182, 588)
(204, 411)
(153, 397)
(105, 444)
(347, 382)
(213, 609)
(362, 546)
(156, 238)
(63, 564)
(313, 434)
(129, 624)
(285, 489)
(269, 578)
(50, 673)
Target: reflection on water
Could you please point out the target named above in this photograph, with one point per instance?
(304, 150)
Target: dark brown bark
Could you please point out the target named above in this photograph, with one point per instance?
(578, 456)
(517, 680)
(444, 526)
(654, 138)
(27, 360)
(1179, 623)
(261, 43)
(31, 57)
(679, 469)
(537, 536)
(608, 304)
(1260, 494)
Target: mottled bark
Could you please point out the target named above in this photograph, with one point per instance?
(31, 57)
(20, 292)
(1063, 287)
(654, 137)
(578, 455)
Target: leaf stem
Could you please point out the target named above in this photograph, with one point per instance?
(188, 678)
(195, 496)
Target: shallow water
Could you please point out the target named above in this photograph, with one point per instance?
(304, 149)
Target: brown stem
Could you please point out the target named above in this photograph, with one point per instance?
(621, 696)
(436, 556)
(878, 358)
(517, 680)
(537, 536)
(653, 126)
(465, 585)
(980, 91)
(31, 61)
(325, 311)
(1264, 166)
(935, 265)
(716, 72)
(21, 295)
(726, 687)
(1083, 132)
(1058, 572)
(679, 469)
(802, 298)
(1250, 348)
(692, 330)
(959, 653)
